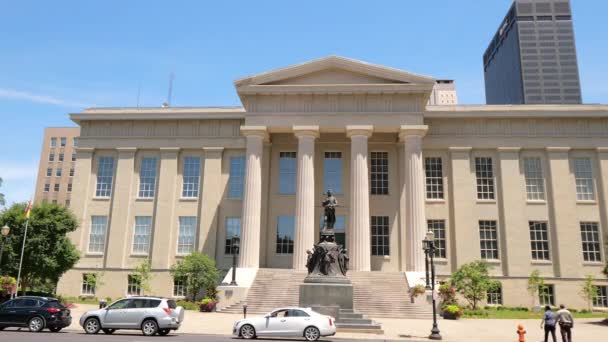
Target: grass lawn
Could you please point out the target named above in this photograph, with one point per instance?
(507, 313)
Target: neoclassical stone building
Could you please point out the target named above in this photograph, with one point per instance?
(523, 187)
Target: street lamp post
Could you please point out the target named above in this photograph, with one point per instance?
(235, 242)
(5, 230)
(429, 251)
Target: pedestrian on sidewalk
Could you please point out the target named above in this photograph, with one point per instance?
(566, 323)
(548, 322)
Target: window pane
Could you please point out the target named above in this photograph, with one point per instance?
(495, 296)
(547, 295)
(192, 169)
(438, 228)
(539, 240)
(187, 231)
(237, 175)
(179, 288)
(585, 190)
(333, 172)
(485, 178)
(285, 234)
(590, 236)
(147, 178)
(601, 301)
(488, 239)
(105, 173)
(141, 234)
(133, 286)
(434, 178)
(88, 284)
(287, 173)
(379, 173)
(233, 228)
(535, 185)
(97, 236)
(380, 235)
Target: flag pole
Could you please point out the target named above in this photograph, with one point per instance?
(27, 222)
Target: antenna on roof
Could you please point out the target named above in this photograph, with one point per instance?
(171, 78)
(138, 93)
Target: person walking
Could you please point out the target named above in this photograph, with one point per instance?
(548, 322)
(566, 323)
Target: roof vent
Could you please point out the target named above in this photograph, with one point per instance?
(165, 105)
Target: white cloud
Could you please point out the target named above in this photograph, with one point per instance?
(39, 98)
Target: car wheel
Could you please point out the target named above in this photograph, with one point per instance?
(92, 326)
(164, 332)
(149, 327)
(312, 334)
(109, 331)
(36, 324)
(247, 332)
(55, 329)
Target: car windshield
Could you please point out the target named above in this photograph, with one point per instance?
(120, 304)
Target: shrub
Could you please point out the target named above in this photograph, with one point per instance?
(447, 293)
(418, 290)
(207, 304)
(8, 285)
(188, 305)
(452, 310)
(108, 300)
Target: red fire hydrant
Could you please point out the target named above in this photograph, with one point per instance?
(521, 333)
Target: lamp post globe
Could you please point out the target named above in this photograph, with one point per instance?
(429, 253)
(5, 230)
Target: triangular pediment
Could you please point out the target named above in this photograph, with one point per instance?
(334, 70)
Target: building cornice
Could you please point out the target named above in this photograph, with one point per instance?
(516, 111)
(333, 89)
(170, 113)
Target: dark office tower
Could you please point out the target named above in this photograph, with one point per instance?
(532, 57)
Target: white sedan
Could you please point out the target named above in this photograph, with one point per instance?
(287, 322)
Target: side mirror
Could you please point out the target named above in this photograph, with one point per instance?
(267, 316)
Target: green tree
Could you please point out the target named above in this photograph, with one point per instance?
(473, 281)
(2, 202)
(589, 291)
(198, 272)
(143, 275)
(536, 285)
(48, 251)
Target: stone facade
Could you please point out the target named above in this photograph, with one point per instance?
(485, 176)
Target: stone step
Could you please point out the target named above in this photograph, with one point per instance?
(350, 315)
(342, 320)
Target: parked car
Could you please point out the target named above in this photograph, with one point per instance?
(291, 322)
(35, 313)
(151, 315)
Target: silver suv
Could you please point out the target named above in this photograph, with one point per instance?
(153, 315)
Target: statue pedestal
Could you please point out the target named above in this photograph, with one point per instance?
(327, 298)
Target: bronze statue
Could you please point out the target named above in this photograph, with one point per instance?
(329, 204)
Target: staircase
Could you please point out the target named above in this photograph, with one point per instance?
(385, 294)
(375, 294)
(273, 288)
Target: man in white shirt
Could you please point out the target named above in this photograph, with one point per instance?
(566, 323)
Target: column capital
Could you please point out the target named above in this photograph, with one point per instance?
(406, 131)
(306, 131)
(259, 131)
(364, 130)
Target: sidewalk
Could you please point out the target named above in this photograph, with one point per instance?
(465, 330)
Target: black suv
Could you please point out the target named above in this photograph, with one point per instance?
(36, 313)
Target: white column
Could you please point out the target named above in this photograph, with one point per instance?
(358, 234)
(305, 195)
(415, 217)
(252, 197)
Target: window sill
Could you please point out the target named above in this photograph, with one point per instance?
(541, 262)
(536, 202)
(233, 198)
(383, 257)
(93, 254)
(435, 201)
(581, 202)
(486, 201)
(492, 261)
(593, 263)
(144, 199)
(443, 260)
(188, 199)
(139, 255)
(101, 198)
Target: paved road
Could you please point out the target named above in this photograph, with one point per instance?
(12, 335)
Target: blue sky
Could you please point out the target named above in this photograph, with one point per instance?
(58, 57)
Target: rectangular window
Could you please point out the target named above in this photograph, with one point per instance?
(379, 173)
(60, 157)
(75, 142)
(192, 173)
(438, 228)
(51, 157)
(54, 201)
(185, 239)
(590, 236)
(237, 176)
(88, 284)
(601, 301)
(47, 187)
(97, 236)
(546, 295)
(485, 178)
(285, 234)
(105, 175)
(56, 188)
(434, 177)
(585, 190)
(133, 286)
(73, 157)
(141, 234)
(495, 296)
(332, 166)
(72, 172)
(49, 172)
(179, 288)
(488, 239)
(233, 228)
(287, 173)
(53, 142)
(63, 141)
(147, 178)
(535, 185)
(58, 172)
(380, 235)
(67, 203)
(539, 240)
(69, 187)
